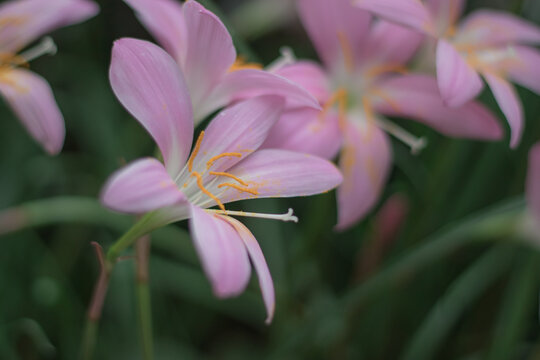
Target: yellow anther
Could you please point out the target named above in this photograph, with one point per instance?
(204, 190)
(217, 157)
(242, 182)
(239, 188)
(387, 68)
(195, 151)
(346, 49)
(241, 64)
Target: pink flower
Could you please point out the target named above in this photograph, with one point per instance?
(203, 48)
(224, 166)
(487, 43)
(29, 95)
(364, 79)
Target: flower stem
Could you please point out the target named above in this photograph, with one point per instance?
(144, 308)
(138, 230)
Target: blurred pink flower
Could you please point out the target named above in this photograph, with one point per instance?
(203, 48)
(364, 78)
(224, 166)
(487, 43)
(29, 95)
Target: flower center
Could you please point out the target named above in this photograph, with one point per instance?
(241, 64)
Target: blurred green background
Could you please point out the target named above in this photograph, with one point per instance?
(455, 282)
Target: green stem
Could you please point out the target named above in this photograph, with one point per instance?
(144, 307)
(138, 230)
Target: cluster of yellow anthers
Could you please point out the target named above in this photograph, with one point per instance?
(241, 186)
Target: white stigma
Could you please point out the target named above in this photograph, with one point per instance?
(415, 143)
(45, 47)
(287, 58)
(281, 217)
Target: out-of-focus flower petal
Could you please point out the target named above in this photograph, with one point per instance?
(365, 162)
(391, 43)
(533, 181)
(149, 84)
(222, 252)
(31, 98)
(282, 173)
(239, 129)
(335, 27)
(417, 97)
(306, 131)
(310, 76)
(491, 27)
(24, 21)
(410, 13)
(140, 187)
(259, 263)
(525, 70)
(458, 81)
(210, 51)
(244, 84)
(165, 21)
(445, 13)
(508, 100)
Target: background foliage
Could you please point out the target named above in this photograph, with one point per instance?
(456, 283)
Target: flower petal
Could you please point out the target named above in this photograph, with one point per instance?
(445, 13)
(533, 181)
(365, 162)
(508, 100)
(24, 21)
(282, 173)
(306, 131)
(458, 81)
(390, 43)
(165, 21)
(410, 13)
(31, 98)
(417, 96)
(310, 76)
(210, 51)
(222, 252)
(239, 129)
(525, 70)
(149, 84)
(245, 84)
(259, 263)
(490, 27)
(335, 27)
(140, 187)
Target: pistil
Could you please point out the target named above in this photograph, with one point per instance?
(281, 217)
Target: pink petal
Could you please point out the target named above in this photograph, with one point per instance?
(149, 84)
(525, 70)
(305, 131)
(330, 24)
(222, 252)
(240, 129)
(458, 81)
(282, 173)
(508, 100)
(31, 98)
(165, 21)
(390, 43)
(533, 181)
(24, 21)
(489, 27)
(410, 13)
(245, 84)
(445, 12)
(140, 187)
(365, 162)
(310, 76)
(257, 258)
(417, 97)
(210, 51)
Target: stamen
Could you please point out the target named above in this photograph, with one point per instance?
(217, 157)
(241, 64)
(204, 190)
(195, 151)
(215, 173)
(45, 47)
(368, 110)
(239, 188)
(416, 144)
(282, 217)
(387, 98)
(347, 50)
(339, 97)
(387, 68)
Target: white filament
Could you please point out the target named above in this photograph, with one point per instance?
(45, 47)
(415, 143)
(281, 217)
